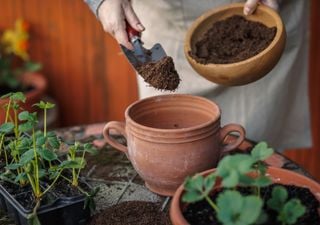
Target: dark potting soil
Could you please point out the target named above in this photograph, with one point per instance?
(27, 200)
(232, 40)
(200, 213)
(132, 213)
(161, 74)
(63, 188)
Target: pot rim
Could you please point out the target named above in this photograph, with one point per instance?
(133, 123)
(296, 179)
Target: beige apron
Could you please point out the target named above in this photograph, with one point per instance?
(275, 108)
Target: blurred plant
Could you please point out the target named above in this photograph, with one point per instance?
(14, 57)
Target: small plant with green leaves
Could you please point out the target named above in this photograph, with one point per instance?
(232, 207)
(31, 154)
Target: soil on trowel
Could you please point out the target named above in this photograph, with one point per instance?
(161, 74)
(232, 40)
(132, 213)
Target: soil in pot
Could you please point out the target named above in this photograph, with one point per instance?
(132, 213)
(200, 213)
(161, 74)
(63, 188)
(232, 40)
(27, 200)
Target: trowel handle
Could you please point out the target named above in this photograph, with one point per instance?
(132, 33)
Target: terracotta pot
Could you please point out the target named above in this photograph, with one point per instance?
(172, 136)
(39, 84)
(279, 176)
(245, 71)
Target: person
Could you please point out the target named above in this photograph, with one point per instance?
(274, 108)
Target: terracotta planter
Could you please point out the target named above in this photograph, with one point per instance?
(172, 136)
(245, 71)
(280, 176)
(39, 84)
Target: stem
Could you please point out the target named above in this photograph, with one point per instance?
(45, 122)
(211, 203)
(74, 178)
(37, 181)
(16, 129)
(82, 159)
(51, 185)
(32, 184)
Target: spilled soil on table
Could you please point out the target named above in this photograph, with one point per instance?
(132, 213)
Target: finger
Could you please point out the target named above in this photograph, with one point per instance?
(274, 4)
(250, 6)
(120, 34)
(131, 17)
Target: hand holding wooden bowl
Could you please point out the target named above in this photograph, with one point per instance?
(245, 71)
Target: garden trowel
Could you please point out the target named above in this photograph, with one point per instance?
(141, 55)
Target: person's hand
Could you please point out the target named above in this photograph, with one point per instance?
(251, 5)
(113, 14)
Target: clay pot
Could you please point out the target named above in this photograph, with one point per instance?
(39, 84)
(279, 176)
(172, 136)
(245, 71)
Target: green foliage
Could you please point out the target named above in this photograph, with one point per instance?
(243, 170)
(33, 157)
(235, 209)
(289, 210)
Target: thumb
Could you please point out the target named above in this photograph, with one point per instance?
(250, 6)
(131, 16)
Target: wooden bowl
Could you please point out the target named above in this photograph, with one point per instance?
(245, 71)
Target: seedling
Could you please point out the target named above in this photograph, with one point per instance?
(33, 153)
(231, 208)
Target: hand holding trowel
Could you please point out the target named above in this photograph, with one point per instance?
(153, 64)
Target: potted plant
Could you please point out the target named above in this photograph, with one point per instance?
(243, 191)
(39, 184)
(17, 71)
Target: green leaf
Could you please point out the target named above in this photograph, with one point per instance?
(192, 196)
(47, 154)
(278, 198)
(231, 180)
(18, 96)
(70, 164)
(54, 142)
(13, 166)
(292, 211)
(41, 140)
(230, 206)
(209, 182)
(21, 177)
(26, 157)
(44, 105)
(24, 127)
(235, 209)
(24, 115)
(261, 151)
(262, 181)
(251, 209)
(6, 128)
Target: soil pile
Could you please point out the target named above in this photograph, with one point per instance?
(132, 213)
(232, 40)
(161, 74)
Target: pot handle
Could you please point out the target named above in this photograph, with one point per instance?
(119, 127)
(227, 129)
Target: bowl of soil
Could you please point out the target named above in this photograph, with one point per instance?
(228, 48)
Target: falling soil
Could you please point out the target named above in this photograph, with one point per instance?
(200, 213)
(132, 213)
(161, 74)
(232, 40)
